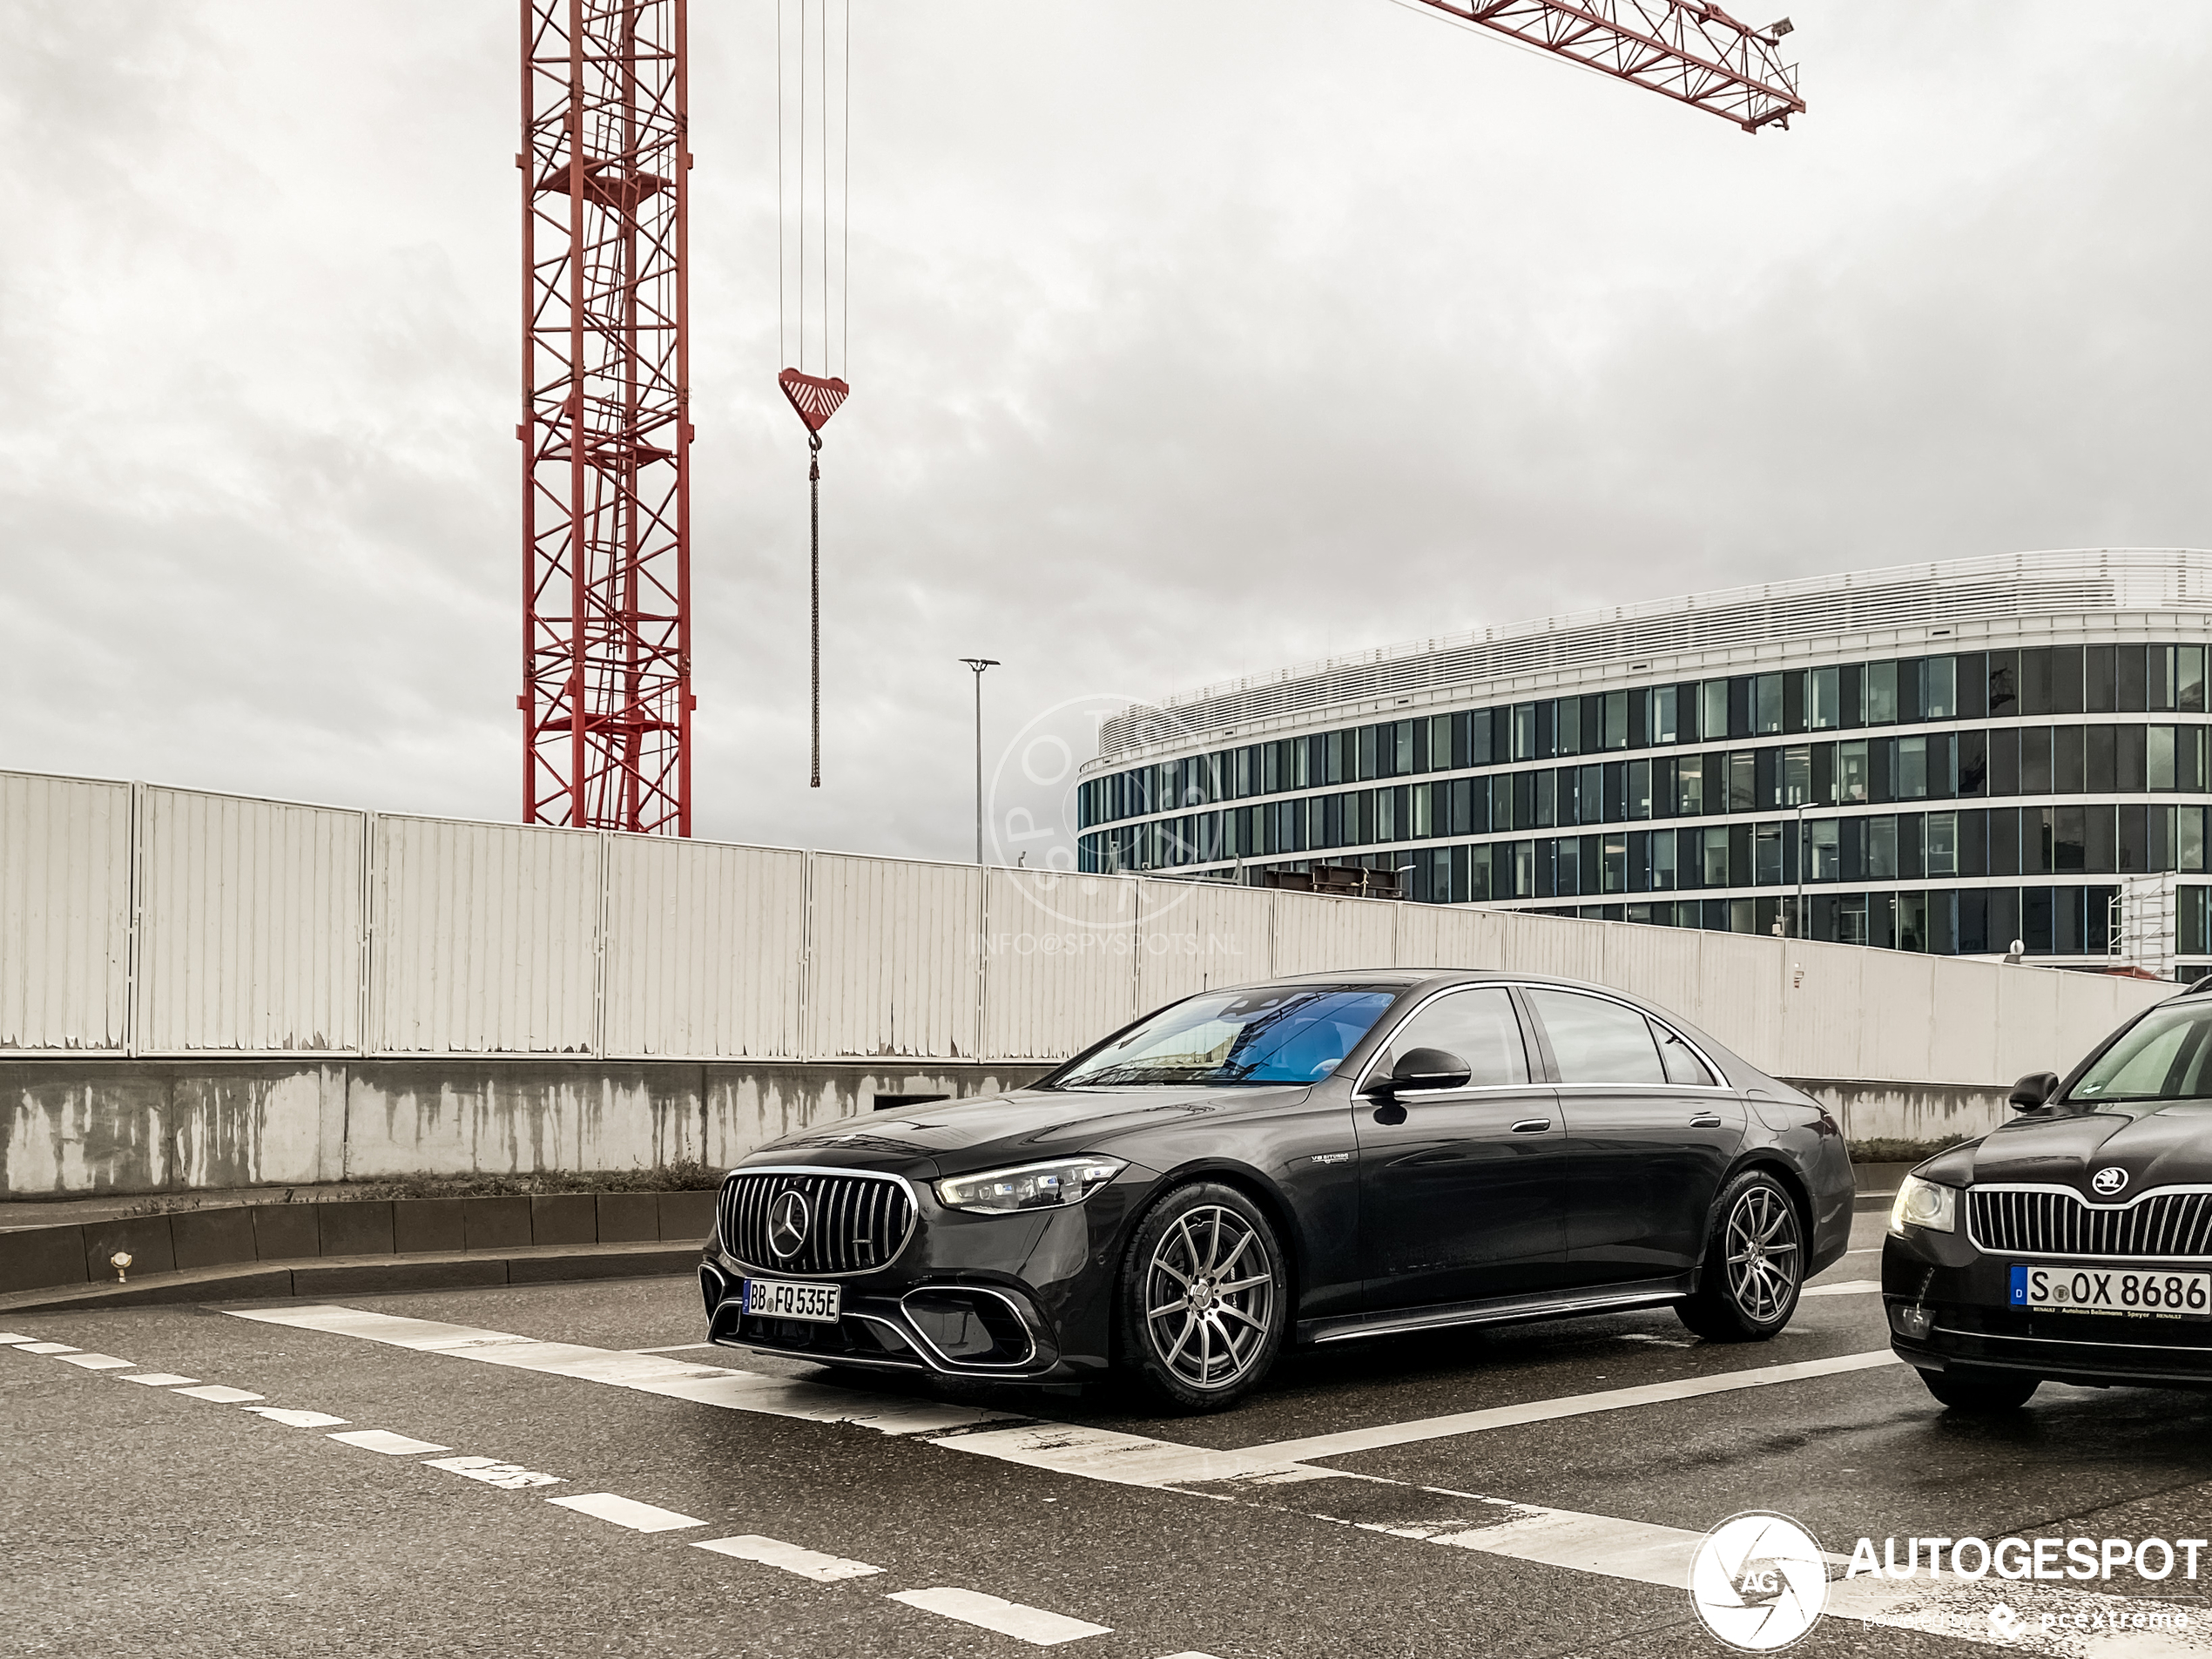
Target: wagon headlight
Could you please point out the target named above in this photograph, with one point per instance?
(1924, 1203)
(1029, 1186)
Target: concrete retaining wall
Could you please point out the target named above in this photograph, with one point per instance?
(160, 1126)
(163, 1126)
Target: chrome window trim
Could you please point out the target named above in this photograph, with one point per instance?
(914, 1218)
(2188, 1190)
(1721, 1086)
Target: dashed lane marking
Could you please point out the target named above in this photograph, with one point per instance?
(289, 1418)
(46, 1347)
(221, 1395)
(1849, 1287)
(158, 1379)
(626, 1512)
(1029, 1624)
(510, 1476)
(391, 1444)
(98, 1361)
(1540, 1410)
(9, 1339)
(743, 1391)
(674, 1347)
(773, 1552)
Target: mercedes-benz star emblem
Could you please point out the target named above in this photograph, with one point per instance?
(787, 1219)
(2109, 1180)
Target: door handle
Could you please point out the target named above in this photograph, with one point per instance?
(1532, 1126)
(1705, 1120)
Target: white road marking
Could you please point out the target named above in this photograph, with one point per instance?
(648, 1373)
(1124, 1459)
(1657, 1341)
(158, 1379)
(773, 1552)
(46, 1347)
(1193, 1655)
(1540, 1410)
(98, 1361)
(1849, 1287)
(626, 1512)
(379, 1439)
(221, 1395)
(674, 1347)
(289, 1418)
(511, 1476)
(8, 1338)
(1029, 1624)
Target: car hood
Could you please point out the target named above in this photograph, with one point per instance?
(953, 1138)
(2156, 1146)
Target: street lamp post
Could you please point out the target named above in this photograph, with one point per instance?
(978, 665)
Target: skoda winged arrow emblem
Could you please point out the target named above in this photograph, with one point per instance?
(2109, 1180)
(787, 1219)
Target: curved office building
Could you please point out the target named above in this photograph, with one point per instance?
(1937, 757)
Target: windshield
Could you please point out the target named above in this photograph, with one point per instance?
(1288, 1036)
(2167, 1054)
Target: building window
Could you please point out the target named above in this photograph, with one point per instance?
(1660, 716)
(1881, 693)
(1766, 855)
(1939, 844)
(1715, 867)
(1910, 781)
(1712, 711)
(1690, 790)
(1796, 776)
(1662, 860)
(1940, 688)
(1851, 772)
(1639, 777)
(1766, 704)
(1881, 848)
(1824, 699)
(1827, 857)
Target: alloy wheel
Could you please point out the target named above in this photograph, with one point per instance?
(1763, 1253)
(1208, 1298)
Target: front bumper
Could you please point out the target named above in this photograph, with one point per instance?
(1021, 1298)
(1948, 1304)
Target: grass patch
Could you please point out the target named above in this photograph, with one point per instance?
(1880, 1150)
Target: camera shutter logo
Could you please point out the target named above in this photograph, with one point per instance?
(787, 1220)
(2109, 1180)
(1759, 1582)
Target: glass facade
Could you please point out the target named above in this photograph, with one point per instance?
(1984, 791)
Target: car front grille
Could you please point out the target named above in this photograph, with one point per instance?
(2162, 1225)
(855, 1223)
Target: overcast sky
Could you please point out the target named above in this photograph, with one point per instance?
(1187, 341)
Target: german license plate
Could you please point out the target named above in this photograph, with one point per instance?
(2106, 1289)
(780, 1298)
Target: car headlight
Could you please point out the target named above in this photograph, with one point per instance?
(1029, 1186)
(1924, 1203)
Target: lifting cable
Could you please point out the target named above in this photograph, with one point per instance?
(804, 238)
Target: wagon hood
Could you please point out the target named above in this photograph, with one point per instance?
(1026, 1124)
(2153, 1145)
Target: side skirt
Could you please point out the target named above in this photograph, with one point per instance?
(1501, 1309)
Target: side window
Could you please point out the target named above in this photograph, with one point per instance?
(1479, 1026)
(1597, 1041)
(1680, 1060)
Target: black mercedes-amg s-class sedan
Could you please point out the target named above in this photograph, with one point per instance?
(2074, 1243)
(1323, 1158)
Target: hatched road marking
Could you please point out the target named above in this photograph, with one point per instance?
(743, 1391)
(626, 1512)
(773, 1552)
(1029, 1624)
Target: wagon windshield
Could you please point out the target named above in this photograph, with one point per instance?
(1288, 1036)
(2165, 1055)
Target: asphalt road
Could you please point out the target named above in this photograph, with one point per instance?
(139, 1519)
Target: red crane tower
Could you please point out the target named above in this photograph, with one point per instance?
(606, 427)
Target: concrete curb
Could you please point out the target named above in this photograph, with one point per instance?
(366, 1275)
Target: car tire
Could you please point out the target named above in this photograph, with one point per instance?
(1204, 1298)
(1754, 1263)
(1966, 1389)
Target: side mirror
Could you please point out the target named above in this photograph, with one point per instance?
(2034, 1090)
(1429, 1069)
